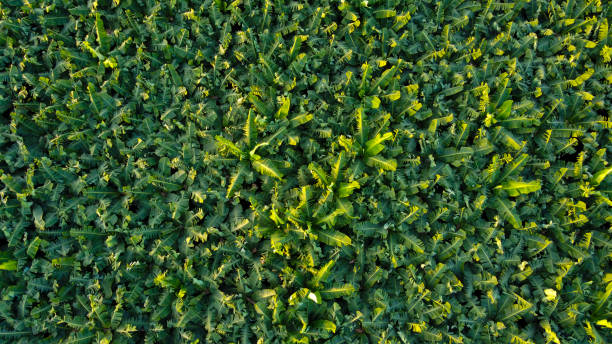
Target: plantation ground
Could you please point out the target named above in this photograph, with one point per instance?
(380, 171)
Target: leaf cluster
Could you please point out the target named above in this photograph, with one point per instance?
(381, 171)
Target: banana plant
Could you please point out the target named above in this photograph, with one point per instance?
(368, 143)
(309, 303)
(308, 220)
(304, 305)
(335, 189)
(246, 151)
(318, 219)
(307, 308)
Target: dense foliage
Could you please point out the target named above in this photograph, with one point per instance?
(381, 171)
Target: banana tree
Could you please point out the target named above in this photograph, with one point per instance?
(335, 189)
(309, 219)
(246, 151)
(368, 145)
(307, 304)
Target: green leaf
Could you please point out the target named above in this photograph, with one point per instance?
(235, 181)
(385, 14)
(301, 119)
(517, 188)
(368, 229)
(374, 146)
(383, 80)
(283, 111)
(335, 172)
(103, 38)
(250, 130)
(514, 167)
(374, 277)
(346, 189)
(267, 168)
(264, 294)
(324, 325)
(455, 157)
(336, 292)
(330, 218)
(315, 297)
(33, 247)
(295, 47)
(318, 173)
(507, 212)
(9, 265)
(600, 176)
(373, 102)
(384, 164)
(345, 207)
(333, 238)
(603, 297)
(515, 310)
(413, 243)
(14, 334)
(504, 110)
(520, 122)
(260, 106)
(39, 222)
(323, 273)
(362, 130)
(229, 145)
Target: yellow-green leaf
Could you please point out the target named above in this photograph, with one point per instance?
(267, 168)
(301, 119)
(250, 130)
(393, 96)
(374, 146)
(549, 295)
(283, 111)
(334, 238)
(382, 163)
(604, 323)
(601, 175)
(346, 189)
(235, 182)
(385, 14)
(10, 265)
(322, 274)
(335, 292)
(325, 325)
(229, 145)
(516, 188)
